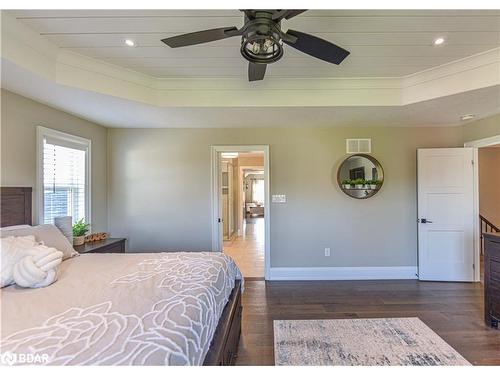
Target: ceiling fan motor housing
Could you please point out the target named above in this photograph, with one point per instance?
(261, 41)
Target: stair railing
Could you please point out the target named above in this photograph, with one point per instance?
(486, 226)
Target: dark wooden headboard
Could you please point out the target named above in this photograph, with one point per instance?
(15, 206)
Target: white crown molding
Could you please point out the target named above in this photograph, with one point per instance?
(29, 50)
(484, 142)
(471, 73)
(342, 273)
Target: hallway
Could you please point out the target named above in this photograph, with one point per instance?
(248, 250)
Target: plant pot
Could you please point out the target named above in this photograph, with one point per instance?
(373, 187)
(346, 186)
(78, 241)
(359, 186)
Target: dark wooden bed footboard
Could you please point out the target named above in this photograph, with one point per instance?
(224, 347)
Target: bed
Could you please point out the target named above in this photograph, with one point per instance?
(124, 309)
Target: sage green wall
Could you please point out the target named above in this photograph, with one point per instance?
(160, 184)
(19, 119)
(484, 128)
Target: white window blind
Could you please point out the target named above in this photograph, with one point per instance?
(64, 178)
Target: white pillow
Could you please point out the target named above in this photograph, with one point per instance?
(27, 263)
(48, 234)
(8, 253)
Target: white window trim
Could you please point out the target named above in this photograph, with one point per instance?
(41, 133)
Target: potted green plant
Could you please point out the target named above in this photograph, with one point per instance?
(346, 184)
(372, 184)
(359, 183)
(80, 229)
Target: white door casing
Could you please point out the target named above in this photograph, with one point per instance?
(446, 203)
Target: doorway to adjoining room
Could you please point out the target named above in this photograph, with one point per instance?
(242, 192)
(486, 195)
(489, 194)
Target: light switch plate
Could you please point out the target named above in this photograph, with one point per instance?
(279, 198)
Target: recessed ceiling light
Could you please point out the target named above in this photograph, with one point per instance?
(438, 41)
(129, 42)
(469, 116)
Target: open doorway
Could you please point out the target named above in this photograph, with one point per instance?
(240, 200)
(487, 194)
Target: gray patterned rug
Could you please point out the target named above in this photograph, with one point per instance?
(361, 342)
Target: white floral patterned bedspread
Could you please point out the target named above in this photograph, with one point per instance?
(121, 309)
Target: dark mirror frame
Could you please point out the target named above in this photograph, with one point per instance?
(372, 192)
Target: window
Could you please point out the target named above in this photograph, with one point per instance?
(63, 181)
(258, 191)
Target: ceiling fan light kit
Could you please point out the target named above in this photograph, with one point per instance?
(262, 40)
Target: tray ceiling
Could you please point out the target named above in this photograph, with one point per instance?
(382, 43)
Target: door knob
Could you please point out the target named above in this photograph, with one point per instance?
(425, 221)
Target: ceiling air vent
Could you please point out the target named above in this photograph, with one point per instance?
(358, 146)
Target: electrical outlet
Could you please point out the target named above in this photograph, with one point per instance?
(327, 251)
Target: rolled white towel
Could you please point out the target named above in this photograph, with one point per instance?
(38, 268)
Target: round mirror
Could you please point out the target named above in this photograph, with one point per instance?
(360, 176)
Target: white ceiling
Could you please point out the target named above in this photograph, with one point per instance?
(383, 83)
(382, 43)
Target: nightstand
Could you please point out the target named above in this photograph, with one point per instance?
(109, 245)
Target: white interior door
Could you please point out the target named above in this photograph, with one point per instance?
(445, 214)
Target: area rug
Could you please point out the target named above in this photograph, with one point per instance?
(361, 342)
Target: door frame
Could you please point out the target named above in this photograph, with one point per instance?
(217, 243)
(476, 144)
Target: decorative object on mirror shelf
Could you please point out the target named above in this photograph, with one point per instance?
(346, 184)
(94, 237)
(80, 229)
(374, 184)
(359, 183)
(360, 176)
(64, 224)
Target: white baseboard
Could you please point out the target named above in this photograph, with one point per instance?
(343, 273)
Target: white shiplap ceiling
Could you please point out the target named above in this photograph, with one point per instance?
(382, 43)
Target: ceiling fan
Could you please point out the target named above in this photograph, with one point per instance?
(262, 40)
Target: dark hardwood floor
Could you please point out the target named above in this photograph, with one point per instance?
(453, 310)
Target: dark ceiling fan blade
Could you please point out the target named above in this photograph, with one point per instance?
(315, 47)
(256, 72)
(199, 37)
(293, 12)
(279, 14)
